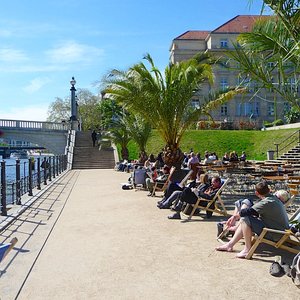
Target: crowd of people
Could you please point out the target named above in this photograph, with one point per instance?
(247, 218)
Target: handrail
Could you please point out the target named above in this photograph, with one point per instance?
(36, 125)
(295, 138)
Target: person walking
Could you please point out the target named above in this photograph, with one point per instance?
(94, 137)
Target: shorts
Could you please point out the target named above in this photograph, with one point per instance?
(256, 224)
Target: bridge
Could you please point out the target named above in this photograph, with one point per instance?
(50, 135)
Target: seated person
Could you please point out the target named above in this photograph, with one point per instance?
(193, 160)
(190, 196)
(225, 157)
(233, 157)
(231, 224)
(149, 181)
(207, 160)
(268, 212)
(159, 179)
(202, 185)
(243, 157)
(283, 195)
(150, 162)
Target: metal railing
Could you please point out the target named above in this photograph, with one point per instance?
(34, 125)
(286, 143)
(27, 175)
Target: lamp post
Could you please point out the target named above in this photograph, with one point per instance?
(73, 119)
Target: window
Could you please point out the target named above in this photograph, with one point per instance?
(248, 109)
(271, 110)
(223, 83)
(224, 110)
(224, 43)
(195, 103)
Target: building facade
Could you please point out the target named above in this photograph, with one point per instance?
(250, 109)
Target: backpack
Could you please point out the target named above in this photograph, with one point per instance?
(295, 270)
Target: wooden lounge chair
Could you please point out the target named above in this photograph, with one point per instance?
(5, 248)
(217, 201)
(161, 187)
(288, 240)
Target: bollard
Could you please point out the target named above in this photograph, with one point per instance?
(30, 177)
(50, 171)
(53, 168)
(3, 189)
(57, 165)
(44, 166)
(18, 182)
(38, 174)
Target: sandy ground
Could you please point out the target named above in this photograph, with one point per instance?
(86, 238)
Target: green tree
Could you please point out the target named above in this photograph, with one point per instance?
(59, 110)
(110, 111)
(89, 112)
(139, 130)
(88, 109)
(165, 100)
(119, 134)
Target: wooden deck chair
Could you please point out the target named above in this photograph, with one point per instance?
(185, 179)
(161, 187)
(217, 201)
(288, 240)
(5, 248)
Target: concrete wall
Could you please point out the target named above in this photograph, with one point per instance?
(54, 141)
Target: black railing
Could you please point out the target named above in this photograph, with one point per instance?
(286, 143)
(21, 177)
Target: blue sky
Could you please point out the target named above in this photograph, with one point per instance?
(44, 43)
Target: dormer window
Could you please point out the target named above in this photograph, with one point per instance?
(224, 43)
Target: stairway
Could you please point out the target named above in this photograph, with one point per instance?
(88, 157)
(292, 156)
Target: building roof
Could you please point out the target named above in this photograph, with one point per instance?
(239, 24)
(193, 35)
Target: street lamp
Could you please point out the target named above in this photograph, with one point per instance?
(73, 118)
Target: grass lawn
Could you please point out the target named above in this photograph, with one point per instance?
(255, 143)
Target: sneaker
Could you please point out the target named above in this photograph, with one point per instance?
(176, 216)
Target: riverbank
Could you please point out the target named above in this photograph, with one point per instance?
(86, 238)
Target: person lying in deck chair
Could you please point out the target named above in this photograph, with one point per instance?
(176, 195)
(268, 212)
(190, 196)
(5, 248)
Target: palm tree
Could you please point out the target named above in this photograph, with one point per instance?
(270, 54)
(120, 135)
(139, 130)
(165, 100)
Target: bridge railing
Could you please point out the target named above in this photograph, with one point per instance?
(36, 125)
(21, 177)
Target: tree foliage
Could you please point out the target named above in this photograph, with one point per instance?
(88, 109)
(269, 55)
(164, 100)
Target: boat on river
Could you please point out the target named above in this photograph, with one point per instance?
(22, 154)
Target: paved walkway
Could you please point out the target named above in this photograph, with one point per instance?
(86, 238)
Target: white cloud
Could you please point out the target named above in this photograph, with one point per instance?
(36, 84)
(28, 113)
(12, 55)
(72, 52)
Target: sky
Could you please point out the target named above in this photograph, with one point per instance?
(44, 43)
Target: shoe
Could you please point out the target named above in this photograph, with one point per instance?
(176, 216)
(150, 194)
(286, 268)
